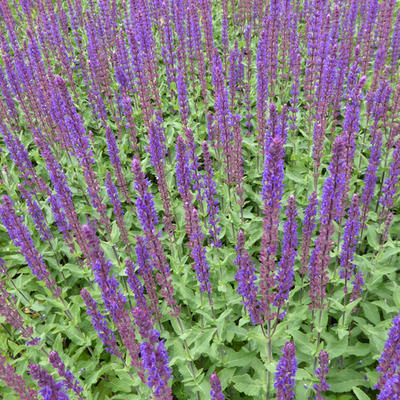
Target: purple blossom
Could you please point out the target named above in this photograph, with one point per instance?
(69, 380)
(117, 207)
(285, 274)
(285, 373)
(330, 210)
(322, 372)
(37, 214)
(391, 390)
(211, 198)
(390, 187)
(350, 239)
(390, 358)
(100, 324)
(216, 390)
(144, 201)
(198, 251)
(148, 218)
(135, 284)
(15, 381)
(246, 278)
(116, 162)
(9, 310)
(183, 170)
(272, 190)
(146, 272)
(154, 356)
(308, 227)
(370, 176)
(21, 238)
(51, 389)
(396, 43)
(113, 298)
(358, 284)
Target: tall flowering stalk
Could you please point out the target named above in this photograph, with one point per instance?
(113, 298)
(37, 214)
(285, 373)
(69, 380)
(246, 278)
(117, 207)
(285, 273)
(15, 381)
(50, 388)
(9, 311)
(370, 176)
(154, 356)
(20, 157)
(198, 251)
(262, 87)
(157, 150)
(390, 358)
(350, 239)
(148, 219)
(146, 272)
(21, 238)
(62, 202)
(308, 227)
(330, 210)
(391, 182)
(100, 324)
(271, 194)
(116, 163)
(321, 373)
(211, 198)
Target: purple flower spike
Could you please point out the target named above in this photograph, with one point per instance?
(154, 356)
(145, 205)
(271, 194)
(51, 390)
(351, 230)
(390, 359)
(322, 372)
(70, 381)
(246, 279)
(37, 214)
(285, 274)
(391, 390)
(100, 324)
(285, 373)
(16, 382)
(198, 252)
(330, 210)
(216, 390)
(308, 227)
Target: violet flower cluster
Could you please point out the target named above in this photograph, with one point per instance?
(216, 390)
(390, 359)
(50, 389)
(285, 373)
(15, 381)
(322, 372)
(246, 278)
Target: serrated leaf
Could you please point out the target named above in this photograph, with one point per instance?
(247, 385)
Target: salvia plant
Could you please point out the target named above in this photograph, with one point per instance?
(199, 199)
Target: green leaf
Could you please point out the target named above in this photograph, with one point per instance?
(344, 380)
(360, 394)
(240, 358)
(371, 312)
(203, 342)
(247, 385)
